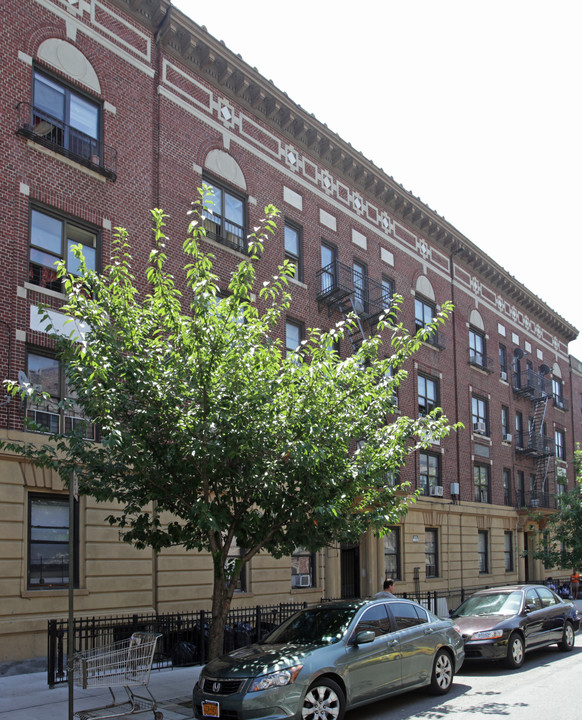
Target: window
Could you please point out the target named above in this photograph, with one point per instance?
(424, 312)
(503, 361)
(407, 615)
(387, 291)
(376, 619)
(558, 392)
(224, 216)
(52, 238)
(505, 433)
(430, 472)
(392, 554)
(518, 429)
(507, 500)
(479, 415)
(476, 348)
(46, 373)
(483, 551)
(234, 554)
(302, 569)
(431, 552)
(360, 281)
(328, 268)
(481, 483)
(427, 394)
(293, 247)
(560, 440)
(293, 336)
(48, 542)
(508, 550)
(66, 119)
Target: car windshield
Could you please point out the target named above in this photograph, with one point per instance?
(313, 626)
(502, 603)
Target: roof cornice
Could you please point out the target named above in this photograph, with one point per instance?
(193, 46)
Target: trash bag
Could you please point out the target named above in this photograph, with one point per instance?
(184, 653)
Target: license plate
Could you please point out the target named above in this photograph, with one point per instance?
(210, 709)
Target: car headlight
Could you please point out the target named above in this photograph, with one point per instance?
(487, 635)
(275, 679)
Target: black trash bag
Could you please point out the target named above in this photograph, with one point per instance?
(184, 653)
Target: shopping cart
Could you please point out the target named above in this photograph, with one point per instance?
(127, 664)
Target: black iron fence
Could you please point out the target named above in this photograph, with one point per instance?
(184, 638)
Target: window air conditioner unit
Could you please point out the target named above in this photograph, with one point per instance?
(480, 427)
(304, 581)
(507, 437)
(436, 491)
(503, 375)
(455, 488)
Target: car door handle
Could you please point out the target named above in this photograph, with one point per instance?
(428, 631)
(392, 643)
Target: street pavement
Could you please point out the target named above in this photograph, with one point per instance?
(28, 697)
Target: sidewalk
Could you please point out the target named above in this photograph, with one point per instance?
(28, 697)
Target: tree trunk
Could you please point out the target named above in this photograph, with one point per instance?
(222, 593)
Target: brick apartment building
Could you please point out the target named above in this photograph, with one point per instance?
(112, 107)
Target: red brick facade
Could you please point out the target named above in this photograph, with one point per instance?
(177, 106)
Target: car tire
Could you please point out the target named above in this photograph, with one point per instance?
(443, 672)
(568, 638)
(515, 651)
(324, 700)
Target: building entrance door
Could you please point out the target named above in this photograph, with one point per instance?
(350, 571)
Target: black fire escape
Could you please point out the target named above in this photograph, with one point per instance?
(343, 288)
(534, 443)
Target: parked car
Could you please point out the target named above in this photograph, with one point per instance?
(329, 658)
(504, 623)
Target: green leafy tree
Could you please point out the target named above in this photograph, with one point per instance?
(560, 537)
(212, 435)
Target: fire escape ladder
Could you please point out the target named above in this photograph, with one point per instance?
(538, 441)
(356, 333)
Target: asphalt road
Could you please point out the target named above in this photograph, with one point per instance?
(546, 686)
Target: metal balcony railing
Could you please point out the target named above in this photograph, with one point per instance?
(531, 384)
(561, 403)
(535, 499)
(44, 129)
(338, 282)
(535, 444)
(480, 361)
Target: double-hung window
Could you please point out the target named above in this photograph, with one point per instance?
(503, 361)
(66, 119)
(427, 394)
(48, 542)
(431, 552)
(387, 291)
(560, 440)
(329, 268)
(430, 472)
(424, 312)
(392, 554)
(482, 483)
(293, 247)
(52, 238)
(476, 348)
(558, 392)
(54, 415)
(508, 550)
(507, 494)
(360, 281)
(293, 336)
(224, 215)
(479, 415)
(483, 551)
(302, 569)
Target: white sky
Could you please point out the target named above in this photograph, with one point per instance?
(475, 107)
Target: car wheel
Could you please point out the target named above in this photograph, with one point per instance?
(568, 638)
(442, 673)
(324, 701)
(515, 651)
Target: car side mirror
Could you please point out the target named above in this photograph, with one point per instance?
(365, 636)
(529, 608)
